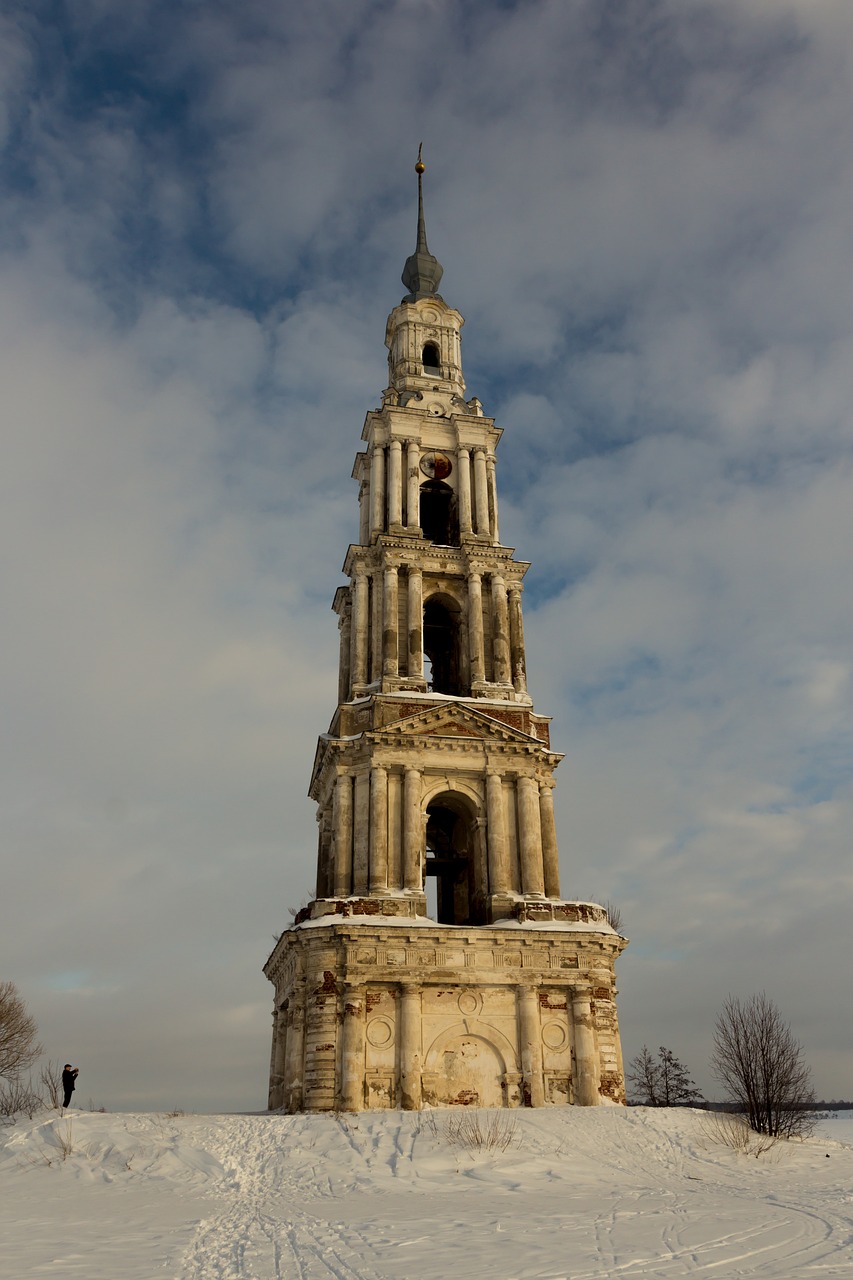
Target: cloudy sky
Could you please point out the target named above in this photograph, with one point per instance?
(644, 209)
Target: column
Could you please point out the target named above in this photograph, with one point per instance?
(464, 480)
(345, 626)
(321, 1032)
(412, 878)
(497, 835)
(475, 628)
(361, 832)
(352, 1049)
(395, 485)
(416, 624)
(530, 837)
(500, 628)
(359, 627)
(378, 829)
(294, 1054)
(364, 513)
(377, 490)
(376, 621)
(410, 1047)
(395, 830)
(516, 639)
(586, 1057)
(530, 1043)
(493, 499)
(550, 856)
(390, 663)
(413, 485)
(279, 1040)
(342, 819)
(481, 493)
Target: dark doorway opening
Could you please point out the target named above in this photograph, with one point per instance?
(439, 520)
(450, 859)
(441, 645)
(431, 359)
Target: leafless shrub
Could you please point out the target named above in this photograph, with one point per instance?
(614, 915)
(173, 1115)
(482, 1130)
(731, 1129)
(761, 1064)
(50, 1079)
(18, 1097)
(427, 1123)
(18, 1045)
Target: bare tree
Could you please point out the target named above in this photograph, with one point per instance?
(676, 1088)
(18, 1046)
(50, 1079)
(661, 1082)
(758, 1060)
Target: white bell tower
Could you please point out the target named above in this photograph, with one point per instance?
(437, 768)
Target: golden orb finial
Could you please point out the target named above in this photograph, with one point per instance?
(420, 166)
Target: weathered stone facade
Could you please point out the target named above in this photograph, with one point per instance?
(437, 769)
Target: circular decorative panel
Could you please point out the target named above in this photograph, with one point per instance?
(469, 1003)
(379, 1032)
(555, 1035)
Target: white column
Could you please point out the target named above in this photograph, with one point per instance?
(475, 628)
(530, 1038)
(377, 490)
(410, 1047)
(352, 1049)
(464, 483)
(530, 838)
(344, 668)
(412, 825)
(493, 499)
(550, 855)
(395, 486)
(364, 513)
(500, 631)
(360, 627)
(376, 623)
(415, 666)
(294, 1055)
(413, 485)
(586, 1057)
(497, 836)
(378, 829)
(342, 818)
(361, 832)
(481, 493)
(390, 662)
(518, 660)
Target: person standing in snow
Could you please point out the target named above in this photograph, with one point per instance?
(69, 1078)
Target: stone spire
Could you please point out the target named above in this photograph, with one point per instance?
(422, 272)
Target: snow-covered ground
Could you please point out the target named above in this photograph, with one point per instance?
(578, 1194)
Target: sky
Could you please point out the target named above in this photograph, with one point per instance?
(644, 210)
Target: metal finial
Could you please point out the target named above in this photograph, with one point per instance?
(422, 272)
(420, 166)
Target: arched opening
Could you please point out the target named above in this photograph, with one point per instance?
(439, 521)
(431, 359)
(450, 859)
(442, 617)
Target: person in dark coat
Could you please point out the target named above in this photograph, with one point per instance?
(69, 1078)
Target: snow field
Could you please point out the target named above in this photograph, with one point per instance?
(603, 1194)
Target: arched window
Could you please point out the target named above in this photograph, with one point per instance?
(441, 645)
(450, 836)
(431, 359)
(438, 517)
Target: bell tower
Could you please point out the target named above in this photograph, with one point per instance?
(438, 963)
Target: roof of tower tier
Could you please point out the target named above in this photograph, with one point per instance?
(422, 272)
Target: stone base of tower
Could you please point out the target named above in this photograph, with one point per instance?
(376, 1012)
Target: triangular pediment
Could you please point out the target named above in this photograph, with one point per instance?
(455, 721)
